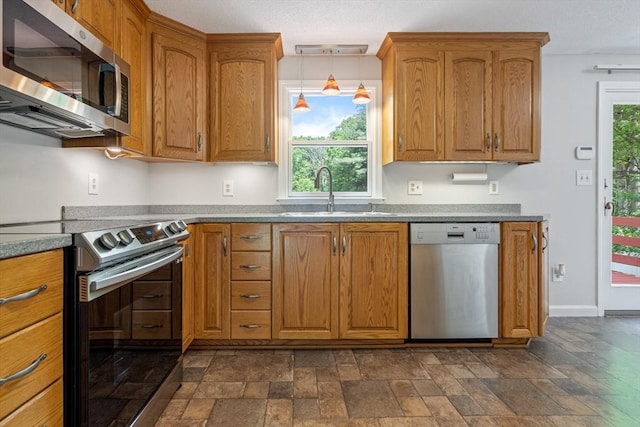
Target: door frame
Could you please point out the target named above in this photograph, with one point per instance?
(605, 88)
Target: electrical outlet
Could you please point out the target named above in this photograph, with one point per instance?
(584, 177)
(414, 187)
(93, 183)
(493, 187)
(227, 188)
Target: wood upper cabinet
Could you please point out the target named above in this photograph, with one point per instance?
(243, 101)
(97, 16)
(133, 49)
(179, 90)
(520, 252)
(373, 280)
(305, 281)
(412, 109)
(213, 281)
(62, 4)
(468, 96)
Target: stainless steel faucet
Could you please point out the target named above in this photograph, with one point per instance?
(331, 205)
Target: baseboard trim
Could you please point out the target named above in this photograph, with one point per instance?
(573, 311)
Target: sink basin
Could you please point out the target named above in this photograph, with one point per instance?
(335, 213)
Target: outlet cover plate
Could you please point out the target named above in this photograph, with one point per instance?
(414, 188)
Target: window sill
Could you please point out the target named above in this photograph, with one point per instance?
(323, 200)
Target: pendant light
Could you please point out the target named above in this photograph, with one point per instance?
(361, 96)
(301, 106)
(331, 87)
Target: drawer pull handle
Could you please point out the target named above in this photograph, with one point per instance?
(251, 296)
(250, 237)
(250, 266)
(151, 325)
(26, 371)
(151, 296)
(29, 294)
(251, 326)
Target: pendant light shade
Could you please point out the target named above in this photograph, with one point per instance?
(301, 105)
(361, 96)
(331, 87)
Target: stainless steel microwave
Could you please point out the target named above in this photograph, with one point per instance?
(56, 77)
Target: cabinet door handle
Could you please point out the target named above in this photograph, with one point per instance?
(250, 237)
(75, 6)
(488, 142)
(151, 325)
(250, 296)
(497, 142)
(344, 245)
(545, 239)
(26, 371)
(335, 245)
(29, 294)
(151, 296)
(199, 141)
(267, 144)
(400, 143)
(250, 266)
(535, 243)
(224, 245)
(250, 325)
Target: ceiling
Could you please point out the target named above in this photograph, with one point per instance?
(575, 26)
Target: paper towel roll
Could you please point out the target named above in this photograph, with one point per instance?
(468, 177)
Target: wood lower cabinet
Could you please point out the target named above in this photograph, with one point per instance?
(179, 90)
(340, 281)
(373, 281)
(213, 281)
(543, 275)
(461, 96)
(188, 288)
(520, 254)
(305, 281)
(31, 333)
(243, 101)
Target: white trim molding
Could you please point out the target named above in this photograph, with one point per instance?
(573, 311)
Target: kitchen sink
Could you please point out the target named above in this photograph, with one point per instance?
(335, 213)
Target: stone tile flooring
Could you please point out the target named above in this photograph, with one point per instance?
(583, 372)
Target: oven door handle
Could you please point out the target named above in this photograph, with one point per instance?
(122, 274)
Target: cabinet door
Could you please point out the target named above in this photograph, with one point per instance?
(188, 290)
(97, 16)
(179, 106)
(133, 50)
(519, 280)
(373, 280)
(516, 110)
(242, 100)
(213, 283)
(543, 271)
(419, 102)
(305, 281)
(468, 105)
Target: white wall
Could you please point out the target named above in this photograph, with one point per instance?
(37, 177)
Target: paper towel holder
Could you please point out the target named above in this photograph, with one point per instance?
(469, 177)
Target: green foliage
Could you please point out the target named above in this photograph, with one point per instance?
(348, 165)
(626, 171)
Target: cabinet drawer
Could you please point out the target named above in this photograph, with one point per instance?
(45, 409)
(251, 237)
(151, 325)
(152, 295)
(25, 274)
(251, 324)
(251, 296)
(251, 266)
(19, 351)
(163, 273)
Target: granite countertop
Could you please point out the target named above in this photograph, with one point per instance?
(78, 219)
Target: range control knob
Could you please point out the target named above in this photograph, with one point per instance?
(181, 225)
(108, 241)
(126, 237)
(174, 228)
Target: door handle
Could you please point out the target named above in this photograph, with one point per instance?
(535, 243)
(608, 206)
(488, 142)
(75, 6)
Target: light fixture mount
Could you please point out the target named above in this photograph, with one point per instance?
(332, 49)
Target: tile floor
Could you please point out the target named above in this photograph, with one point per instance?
(583, 372)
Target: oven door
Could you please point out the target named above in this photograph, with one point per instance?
(127, 359)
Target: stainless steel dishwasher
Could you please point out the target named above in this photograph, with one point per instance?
(454, 280)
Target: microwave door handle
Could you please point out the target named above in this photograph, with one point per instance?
(118, 106)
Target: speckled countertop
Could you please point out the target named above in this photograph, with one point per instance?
(80, 218)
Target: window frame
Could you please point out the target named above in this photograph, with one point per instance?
(291, 88)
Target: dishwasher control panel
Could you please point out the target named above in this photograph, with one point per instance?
(454, 233)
